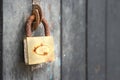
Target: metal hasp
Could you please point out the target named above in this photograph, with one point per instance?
(37, 14)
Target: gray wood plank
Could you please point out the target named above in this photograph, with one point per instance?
(113, 40)
(15, 14)
(1, 39)
(51, 71)
(96, 40)
(73, 40)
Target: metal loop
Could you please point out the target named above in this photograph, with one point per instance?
(37, 11)
(29, 26)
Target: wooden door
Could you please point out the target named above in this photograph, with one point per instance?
(67, 23)
(103, 40)
(86, 35)
(15, 14)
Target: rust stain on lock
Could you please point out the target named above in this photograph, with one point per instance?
(41, 50)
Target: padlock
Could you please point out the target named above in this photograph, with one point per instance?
(38, 50)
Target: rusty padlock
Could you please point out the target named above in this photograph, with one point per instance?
(38, 49)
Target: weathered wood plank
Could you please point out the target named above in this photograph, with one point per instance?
(1, 39)
(51, 71)
(15, 14)
(113, 40)
(96, 40)
(73, 40)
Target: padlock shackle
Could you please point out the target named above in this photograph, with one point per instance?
(46, 27)
(29, 26)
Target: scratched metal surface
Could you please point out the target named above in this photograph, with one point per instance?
(14, 18)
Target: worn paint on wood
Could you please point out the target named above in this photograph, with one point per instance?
(113, 40)
(96, 40)
(101, 41)
(15, 15)
(73, 40)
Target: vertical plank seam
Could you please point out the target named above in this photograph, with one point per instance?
(61, 39)
(1, 39)
(106, 8)
(86, 39)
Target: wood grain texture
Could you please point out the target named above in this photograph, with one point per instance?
(73, 40)
(1, 39)
(14, 18)
(15, 15)
(51, 71)
(96, 40)
(113, 40)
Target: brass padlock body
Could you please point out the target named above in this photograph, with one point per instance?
(38, 50)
